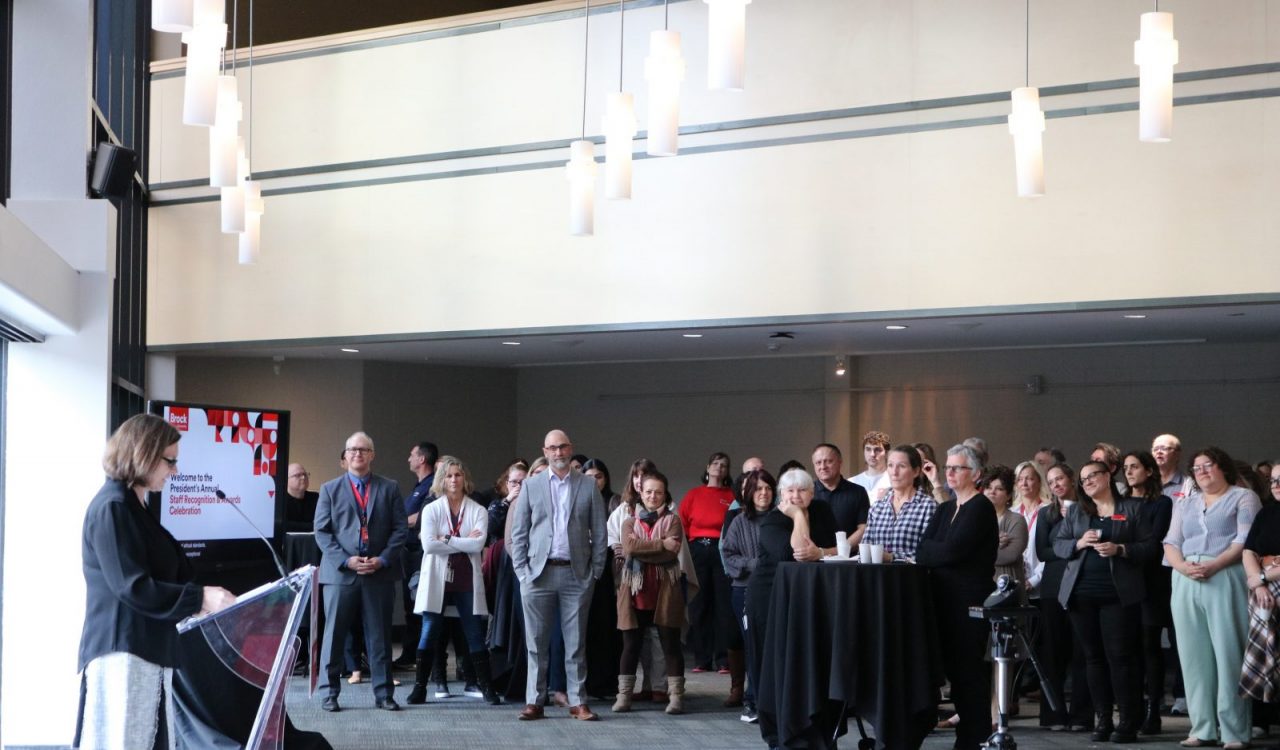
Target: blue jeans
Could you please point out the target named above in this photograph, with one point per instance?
(738, 602)
(433, 622)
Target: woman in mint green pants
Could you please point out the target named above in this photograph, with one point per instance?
(1211, 598)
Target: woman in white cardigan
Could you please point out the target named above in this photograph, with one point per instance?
(454, 528)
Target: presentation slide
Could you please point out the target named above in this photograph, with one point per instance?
(231, 468)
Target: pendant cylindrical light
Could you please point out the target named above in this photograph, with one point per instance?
(726, 43)
(200, 90)
(619, 131)
(581, 171)
(232, 202)
(1026, 123)
(251, 238)
(224, 135)
(1155, 53)
(664, 70)
(172, 16)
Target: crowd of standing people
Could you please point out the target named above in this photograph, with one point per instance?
(560, 590)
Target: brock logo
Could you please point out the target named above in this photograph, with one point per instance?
(177, 416)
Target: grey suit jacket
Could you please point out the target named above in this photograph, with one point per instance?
(338, 529)
(531, 528)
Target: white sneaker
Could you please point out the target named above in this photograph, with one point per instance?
(442, 690)
(1179, 707)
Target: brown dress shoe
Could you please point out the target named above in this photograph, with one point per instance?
(531, 712)
(582, 713)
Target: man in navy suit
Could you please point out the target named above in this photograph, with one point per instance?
(361, 529)
(558, 549)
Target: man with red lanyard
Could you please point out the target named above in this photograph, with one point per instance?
(361, 530)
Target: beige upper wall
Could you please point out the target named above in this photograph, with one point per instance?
(890, 223)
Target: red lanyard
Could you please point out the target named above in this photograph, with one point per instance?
(456, 523)
(363, 502)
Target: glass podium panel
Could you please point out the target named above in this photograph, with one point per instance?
(256, 638)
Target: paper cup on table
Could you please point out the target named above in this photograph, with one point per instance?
(842, 544)
(877, 553)
(864, 553)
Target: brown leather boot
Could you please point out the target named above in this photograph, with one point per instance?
(737, 676)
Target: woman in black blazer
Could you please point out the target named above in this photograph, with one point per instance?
(1108, 542)
(960, 545)
(138, 584)
(1056, 642)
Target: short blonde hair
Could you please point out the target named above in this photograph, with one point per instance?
(136, 447)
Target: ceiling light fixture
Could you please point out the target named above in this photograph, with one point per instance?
(1155, 53)
(895, 327)
(250, 242)
(351, 351)
(840, 370)
(1135, 316)
(581, 167)
(205, 41)
(511, 343)
(692, 335)
(664, 70)
(619, 128)
(172, 16)
(1026, 124)
(726, 43)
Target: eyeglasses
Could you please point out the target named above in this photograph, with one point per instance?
(562, 448)
(359, 450)
(1091, 477)
(1201, 468)
(301, 475)
(1275, 482)
(952, 469)
(173, 462)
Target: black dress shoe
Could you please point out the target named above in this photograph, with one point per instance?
(330, 704)
(387, 704)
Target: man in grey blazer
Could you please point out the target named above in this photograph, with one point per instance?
(361, 529)
(558, 548)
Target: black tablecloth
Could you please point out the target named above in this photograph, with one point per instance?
(300, 549)
(846, 639)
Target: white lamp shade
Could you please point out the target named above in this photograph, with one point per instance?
(224, 135)
(209, 13)
(619, 131)
(1155, 53)
(250, 240)
(232, 209)
(253, 203)
(172, 16)
(664, 70)
(581, 171)
(1026, 123)
(726, 43)
(200, 91)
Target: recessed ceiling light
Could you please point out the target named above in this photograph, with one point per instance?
(511, 343)
(895, 328)
(692, 335)
(1135, 316)
(352, 351)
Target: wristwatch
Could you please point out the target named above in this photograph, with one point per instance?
(447, 537)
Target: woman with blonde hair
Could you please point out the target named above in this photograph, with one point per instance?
(1031, 493)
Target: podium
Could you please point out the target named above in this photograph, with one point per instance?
(253, 643)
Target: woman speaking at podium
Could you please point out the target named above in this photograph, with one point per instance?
(138, 586)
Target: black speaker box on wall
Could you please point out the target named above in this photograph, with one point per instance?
(113, 168)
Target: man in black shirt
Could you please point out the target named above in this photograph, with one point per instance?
(849, 502)
(299, 502)
(422, 462)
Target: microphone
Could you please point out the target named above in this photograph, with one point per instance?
(279, 565)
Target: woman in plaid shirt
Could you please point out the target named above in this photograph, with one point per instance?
(900, 523)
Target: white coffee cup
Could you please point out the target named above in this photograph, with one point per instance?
(877, 553)
(842, 544)
(864, 553)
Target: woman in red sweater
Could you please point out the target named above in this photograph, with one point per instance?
(702, 516)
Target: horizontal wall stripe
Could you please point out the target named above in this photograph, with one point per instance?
(922, 105)
(764, 322)
(875, 132)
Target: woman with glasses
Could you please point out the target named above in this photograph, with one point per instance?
(138, 585)
(960, 545)
(1142, 477)
(1210, 597)
(1106, 542)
